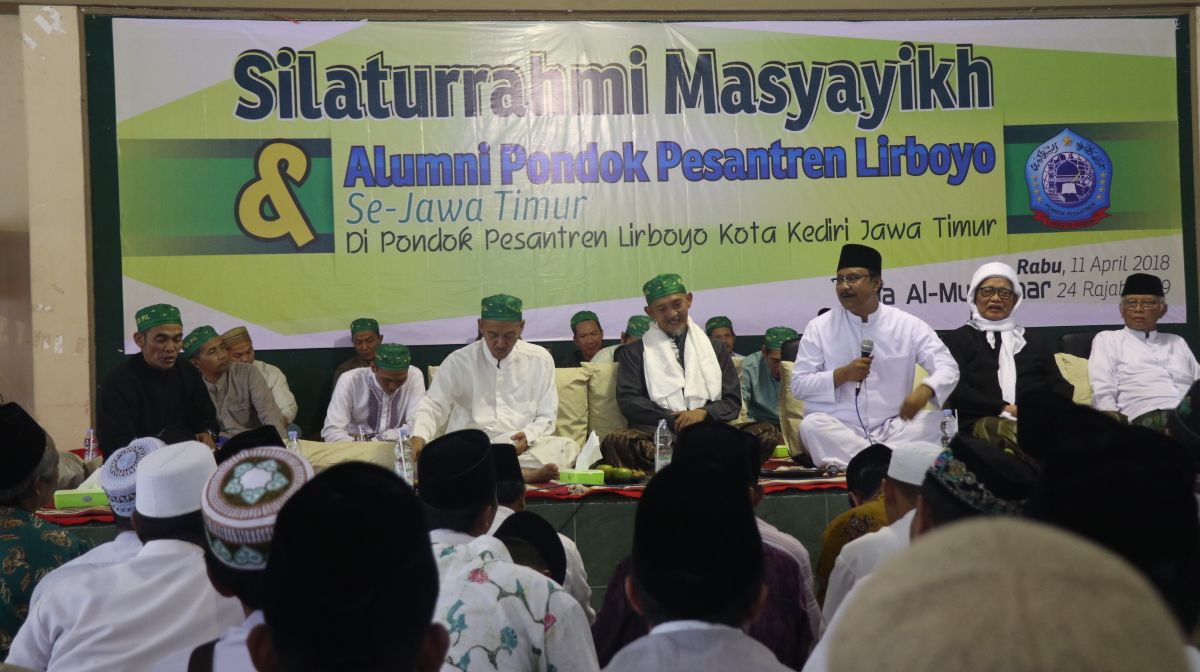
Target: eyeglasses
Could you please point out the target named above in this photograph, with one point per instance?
(1002, 292)
(848, 279)
(1146, 305)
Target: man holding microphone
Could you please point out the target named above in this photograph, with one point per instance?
(856, 365)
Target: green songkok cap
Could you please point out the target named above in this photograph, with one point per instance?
(637, 326)
(392, 357)
(583, 316)
(199, 336)
(716, 323)
(663, 285)
(500, 307)
(158, 314)
(364, 324)
(776, 336)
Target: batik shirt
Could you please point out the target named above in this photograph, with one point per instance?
(503, 616)
(29, 549)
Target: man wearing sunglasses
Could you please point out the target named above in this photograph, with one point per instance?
(1139, 371)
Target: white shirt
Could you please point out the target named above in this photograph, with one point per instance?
(576, 581)
(284, 399)
(818, 660)
(1134, 372)
(123, 547)
(790, 545)
(860, 557)
(491, 606)
(901, 342)
(359, 400)
(126, 616)
(695, 646)
(229, 655)
(474, 391)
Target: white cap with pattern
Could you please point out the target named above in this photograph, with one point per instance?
(118, 476)
(242, 499)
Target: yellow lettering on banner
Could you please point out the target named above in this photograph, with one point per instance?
(275, 160)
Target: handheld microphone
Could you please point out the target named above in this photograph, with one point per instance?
(867, 347)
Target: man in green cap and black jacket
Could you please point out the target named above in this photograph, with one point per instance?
(153, 393)
(675, 373)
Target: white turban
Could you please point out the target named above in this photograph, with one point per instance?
(1011, 335)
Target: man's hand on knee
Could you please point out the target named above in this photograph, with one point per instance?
(915, 401)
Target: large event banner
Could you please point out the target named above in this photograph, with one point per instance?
(293, 176)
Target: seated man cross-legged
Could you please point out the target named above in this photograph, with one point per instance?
(854, 398)
(503, 386)
(675, 373)
(1139, 371)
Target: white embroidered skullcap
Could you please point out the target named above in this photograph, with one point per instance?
(170, 481)
(242, 499)
(1000, 594)
(118, 476)
(911, 460)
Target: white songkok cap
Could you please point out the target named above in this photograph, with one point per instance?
(911, 460)
(1002, 594)
(171, 480)
(118, 476)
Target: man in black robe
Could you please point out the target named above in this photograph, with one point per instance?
(155, 393)
(999, 362)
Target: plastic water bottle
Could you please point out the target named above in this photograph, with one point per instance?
(949, 426)
(293, 442)
(91, 449)
(406, 466)
(662, 446)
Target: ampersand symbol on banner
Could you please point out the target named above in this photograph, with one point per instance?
(277, 163)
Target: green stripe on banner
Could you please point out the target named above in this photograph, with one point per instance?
(179, 197)
(1145, 186)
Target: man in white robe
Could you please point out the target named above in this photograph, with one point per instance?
(240, 347)
(852, 399)
(130, 615)
(118, 479)
(380, 400)
(901, 488)
(501, 616)
(697, 600)
(502, 386)
(1139, 371)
